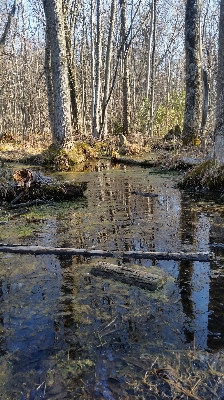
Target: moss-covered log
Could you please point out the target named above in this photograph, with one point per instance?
(208, 175)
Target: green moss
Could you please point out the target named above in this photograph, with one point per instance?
(63, 160)
(207, 175)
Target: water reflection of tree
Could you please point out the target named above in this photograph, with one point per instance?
(215, 339)
(2, 337)
(184, 282)
(116, 218)
(188, 219)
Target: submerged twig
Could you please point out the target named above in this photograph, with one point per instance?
(169, 376)
(107, 326)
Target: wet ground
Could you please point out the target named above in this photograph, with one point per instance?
(66, 334)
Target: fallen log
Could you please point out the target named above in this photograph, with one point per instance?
(25, 186)
(139, 277)
(130, 161)
(153, 255)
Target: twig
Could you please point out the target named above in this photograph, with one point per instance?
(107, 326)
(180, 387)
(40, 385)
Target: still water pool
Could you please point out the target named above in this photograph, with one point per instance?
(66, 334)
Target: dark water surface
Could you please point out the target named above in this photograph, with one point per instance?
(65, 334)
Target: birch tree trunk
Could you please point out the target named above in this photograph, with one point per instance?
(62, 134)
(193, 102)
(219, 129)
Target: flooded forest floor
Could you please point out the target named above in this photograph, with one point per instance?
(67, 334)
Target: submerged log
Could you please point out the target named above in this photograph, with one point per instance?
(139, 277)
(17, 248)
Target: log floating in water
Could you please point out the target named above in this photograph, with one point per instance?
(141, 278)
(151, 255)
(130, 161)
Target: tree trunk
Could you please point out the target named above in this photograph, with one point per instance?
(71, 70)
(49, 83)
(8, 25)
(219, 129)
(152, 83)
(62, 135)
(125, 72)
(193, 103)
(103, 128)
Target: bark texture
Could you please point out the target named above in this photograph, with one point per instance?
(62, 135)
(219, 129)
(193, 105)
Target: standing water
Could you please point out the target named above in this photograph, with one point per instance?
(66, 334)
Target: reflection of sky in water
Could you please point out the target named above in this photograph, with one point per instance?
(200, 283)
(117, 220)
(200, 297)
(29, 307)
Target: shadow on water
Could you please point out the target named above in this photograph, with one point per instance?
(67, 334)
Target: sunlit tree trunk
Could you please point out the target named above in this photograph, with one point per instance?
(125, 71)
(103, 129)
(149, 55)
(96, 67)
(2, 43)
(152, 83)
(62, 134)
(93, 78)
(49, 83)
(193, 105)
(219, 129)
(8, 25)
(71, 65)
